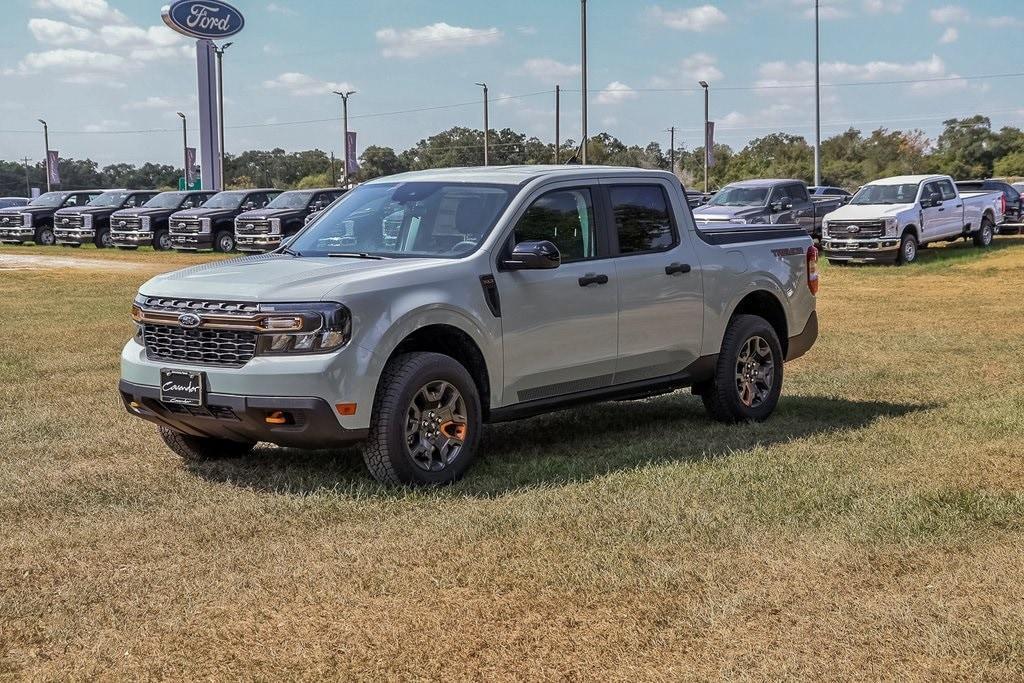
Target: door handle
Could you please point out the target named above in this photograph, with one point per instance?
(673, 268)
(941, 209)
(593, 279)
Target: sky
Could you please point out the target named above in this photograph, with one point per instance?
(108, 76)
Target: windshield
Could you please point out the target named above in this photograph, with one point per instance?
(740, 196)
(886, 194)
(225, 200)
(406, 219)
(291, 200)
(165, 200)
(48, 199)
(109, 199)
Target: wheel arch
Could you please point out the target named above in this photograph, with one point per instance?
(765, 304)
(913, 229)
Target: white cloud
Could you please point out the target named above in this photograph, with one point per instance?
(426, 40)
(302, 85)
(151, 102)
(57, 32)
(105, 125)
(136, 36)
(281, 9)
(775, 74)
(616, 92)
(700, 66)
(84, 11)
(700, 18)
(883, 6)
(949, 14)
(950, 35)
(550, 70)
(70, 60)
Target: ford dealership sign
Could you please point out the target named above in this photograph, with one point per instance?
(210, 19)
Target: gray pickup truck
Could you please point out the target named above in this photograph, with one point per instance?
(768, 201)
(503, 293)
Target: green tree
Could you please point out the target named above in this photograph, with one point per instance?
(379, 161)
(966, 148)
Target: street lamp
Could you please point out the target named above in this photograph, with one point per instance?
(344, 132)
(46, 157)
(707, 152)
(583, 50)
(219, 51)
(486, 126)
(184, 148)
(817, 100)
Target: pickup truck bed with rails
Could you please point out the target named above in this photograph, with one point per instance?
(768, 201)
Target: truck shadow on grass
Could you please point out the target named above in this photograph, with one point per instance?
(564, 447)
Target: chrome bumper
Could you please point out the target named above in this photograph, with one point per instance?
(851, 250)
(73, 235)
(257, 242)
(17, 234)
(132, 237)
(191, 240)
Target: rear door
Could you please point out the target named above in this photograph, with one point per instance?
(803, 209)
(559, 326)
(661, 315)
(952, 212)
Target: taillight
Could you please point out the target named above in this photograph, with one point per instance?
(812, 269)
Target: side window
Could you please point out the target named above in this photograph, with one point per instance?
(947, 190)
(134, 200)
(267, 198)
(797, 193)
(777, 194)
(256, 200)
(564, 217)
(71, 200)
(929, 189)
(189, 202)
(642, 218)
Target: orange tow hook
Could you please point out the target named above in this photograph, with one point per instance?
(454, 430)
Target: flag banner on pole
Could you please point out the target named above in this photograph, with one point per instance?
(52, 161)
(709, 143)
(352, 162)
(190, 166)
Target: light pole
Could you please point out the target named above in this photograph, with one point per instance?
(672, 149)
(817, 99)
(219, 51)
(583, 50)
(558, 121)
(184, 149)
(28, 183)
(707, 152)
(344, 95)
(46, 157)
(487, 127)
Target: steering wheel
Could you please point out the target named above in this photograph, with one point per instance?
(464, 245)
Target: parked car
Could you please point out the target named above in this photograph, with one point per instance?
(75, 226)
(767, 201)
(147, 224)
(263, 229)
(890, 219)
(1013, 212)
(508, 292)
(830, 191)
(212, 225)
(697, 198)
(34, 221)
(8, 202)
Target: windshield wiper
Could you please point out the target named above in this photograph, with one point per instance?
(289, 251)
(355, 254)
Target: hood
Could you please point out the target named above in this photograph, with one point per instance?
(864, 212)
(725, 213)
(15, 210)
(200, 212)
(260, 214)
(282, 278)
(75, 210)
(139, 211)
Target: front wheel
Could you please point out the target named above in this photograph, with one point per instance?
(162, 240)
(983, 237)
(748, 377)
(224, 241)
(200, 449)
(44, 237)
(103, 240)
(908, 249)
(426, 421)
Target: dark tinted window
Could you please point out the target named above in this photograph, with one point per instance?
(797, 193)
(642, 218)
(564, 217)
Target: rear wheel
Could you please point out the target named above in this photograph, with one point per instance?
(199, 448)
(983, 237)
(908, 249)
(44, 236)
(162, 240)
(748, 377)
(224, 241)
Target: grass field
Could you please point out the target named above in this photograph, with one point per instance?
(872, 529)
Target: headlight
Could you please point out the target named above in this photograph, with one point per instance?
(824, 228)
(145, 222)
(275, 225)
(204, 224)
(311, 328)
(890, 226)
(26, 220)
(87, 220)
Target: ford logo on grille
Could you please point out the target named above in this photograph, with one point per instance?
(181, 225)
(248, 226)
(853, 228)
(121, 224)
(189, 321)
(64, 221)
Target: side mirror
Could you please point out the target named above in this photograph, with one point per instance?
(539, 255)
(782, 205)
(935, 199)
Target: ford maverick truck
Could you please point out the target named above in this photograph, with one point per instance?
(75, 226)
(768, 201)
(147, 224)
(891, 219)
(263, 229)
(502, 293)
(34, 221)
(212, 225)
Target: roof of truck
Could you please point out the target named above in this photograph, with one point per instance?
(764, 182)
(906, 179)
(511, 175)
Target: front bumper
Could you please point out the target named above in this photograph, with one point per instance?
(875, 249)
(191, 240)
(256, 242)
(17, 235)
(131, 238)
(74, 235)
(243, 418)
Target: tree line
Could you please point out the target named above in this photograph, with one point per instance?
(966, 148)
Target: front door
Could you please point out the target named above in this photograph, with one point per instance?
(559, 325)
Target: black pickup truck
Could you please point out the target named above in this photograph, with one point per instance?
(263, 229)
(34, 221)
(212, 225)
(75, 226)
(147, 224)
(1013, 212)
(767, 201)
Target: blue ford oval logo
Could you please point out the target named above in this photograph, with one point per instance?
(203, 18)
(189, 320)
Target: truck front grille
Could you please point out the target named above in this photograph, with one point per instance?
(70, 221)
(252, 227)
(126, 223)
(856, 229)
(181, 225)
(211, 347)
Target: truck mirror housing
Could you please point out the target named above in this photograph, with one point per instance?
(934, 199)
(540, 255)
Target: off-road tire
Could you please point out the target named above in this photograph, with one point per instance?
(386, 452)
(986, 231)
(721, 395)
(223, 241)
(201, 449)
(907, 253)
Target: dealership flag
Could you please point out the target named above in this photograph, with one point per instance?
(52, 160)
(190, 166)
(352, 162)
(709, 143)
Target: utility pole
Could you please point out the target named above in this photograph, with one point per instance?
(334, 176)
(817, 99)
(344, 95)
(707, 152)
(46, 157)
(558, 120)
(219, 51)
(184, 149)
(28, 183)
(672, 149)
(487, 127)
(583, 48)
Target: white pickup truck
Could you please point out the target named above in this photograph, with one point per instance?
(892, 218)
